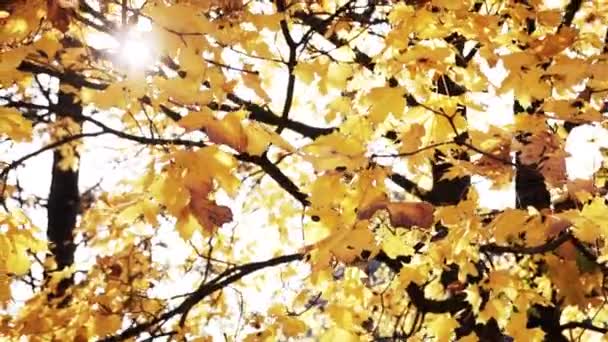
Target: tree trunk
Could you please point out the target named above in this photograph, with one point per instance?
(63, 202)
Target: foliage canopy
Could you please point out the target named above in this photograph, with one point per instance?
(301, 170)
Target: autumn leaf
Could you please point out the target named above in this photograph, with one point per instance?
(106, 323)
(208, 214)
(5, 291)
(14, 125)
(338, 334)
(227, 131)
(590, 224)
(59, 12)
(259, 138)
(411, 139)
(443, 327)
(334, 151)
(402, 214)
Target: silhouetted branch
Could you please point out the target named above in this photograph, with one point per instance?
(224, 279)
(450, 305)
(540, 249)
(571, 9)
(260, 114)
(275, 173)
(67, 76)
(407, 185)
(586, 325)
(291, 64)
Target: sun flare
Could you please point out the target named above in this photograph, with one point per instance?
(132, 50)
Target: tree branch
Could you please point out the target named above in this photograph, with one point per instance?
(585, 325)
(68, 76)
(224, 279)
(571, 9)
(540, 249)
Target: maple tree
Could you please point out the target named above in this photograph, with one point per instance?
(308, 166)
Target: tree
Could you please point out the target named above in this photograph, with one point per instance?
(299, 169)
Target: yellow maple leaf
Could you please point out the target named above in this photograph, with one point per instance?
(228, 130)
(14, 125)
(394, 245)
(411, 139)
(383, 101)
(338, 334)
(106, 323)
(443, 326)
(517, 328)
(253, 81)
(591, 223)
(259, 137)
(335, 150)
(509, 224)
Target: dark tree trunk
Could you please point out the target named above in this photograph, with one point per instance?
(530, 188)
(447, 191)
(63, 202)
(62, 210)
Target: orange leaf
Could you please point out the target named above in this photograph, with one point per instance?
(402, 214)
(367, 210)
(208, 214)
(556, 225)
(58, 13)
(407, 214)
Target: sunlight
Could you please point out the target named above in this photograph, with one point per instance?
(133, 50)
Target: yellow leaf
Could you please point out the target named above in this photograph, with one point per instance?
(191, 61)
(336, 77)
(183, 90)
(411, 139)
(350, 246)
(48, 43)
(306, 71)
(508, 224)
(113, 96)
(10, 60)
(17, 262)
(335, 150)
(258, 139)
(384, 100)
(106, 323)
(5, 290)
(186, 225)
(14, 125)
(292, 326)
(591, 223)
(170, 191)
(443, 327)
(220, 166)
(228, 130)
(196, 120)
(189, 20)
(517, 328)
(393, 245)
(253, 82)
(338, 334)
(409, 274)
